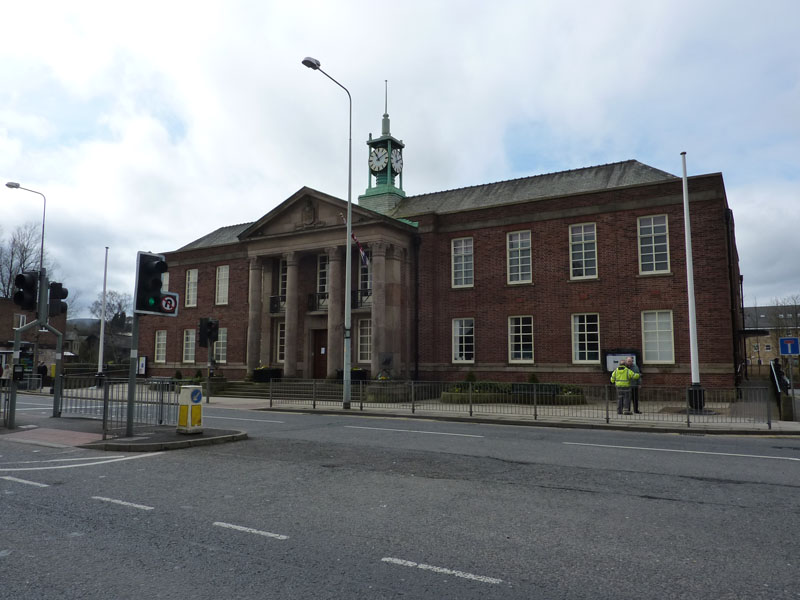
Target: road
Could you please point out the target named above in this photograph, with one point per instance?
(317, 506)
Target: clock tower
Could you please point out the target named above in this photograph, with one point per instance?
(384, 168)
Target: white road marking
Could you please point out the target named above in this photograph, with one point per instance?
(241, 419)
(43, 408)
(122, 503)
(36, 462)
(683, 451)
(413, 431)
(277, 536)
(442, 570)
(88, 464)
(25, 481)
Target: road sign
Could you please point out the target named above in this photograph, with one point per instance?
(169, 304)
(197, 396)
(790, 346)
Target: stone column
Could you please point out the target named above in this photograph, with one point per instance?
(378, 305)
(254, 307)
(292, 314)
(393, 333)
(336, 292)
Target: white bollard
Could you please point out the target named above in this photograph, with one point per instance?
(190, 409)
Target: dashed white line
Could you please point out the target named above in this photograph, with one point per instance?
(268, 534)
(442, 570)
(122, 503)
(414, 431)
(25, 481)
(683, 451)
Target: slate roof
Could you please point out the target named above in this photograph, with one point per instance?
(218, 237)
(525, 189)
(771, 317)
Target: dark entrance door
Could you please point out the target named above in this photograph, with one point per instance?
(320, 353)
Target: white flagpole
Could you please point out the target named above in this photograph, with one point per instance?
(687, 230)
(103, 318)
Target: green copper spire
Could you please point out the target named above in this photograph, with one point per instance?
(384, 167)
(385, 122)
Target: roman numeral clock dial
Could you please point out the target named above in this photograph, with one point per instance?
(397, 160)
(378, 159)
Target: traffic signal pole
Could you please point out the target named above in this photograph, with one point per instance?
(132, 374)
(39, 322)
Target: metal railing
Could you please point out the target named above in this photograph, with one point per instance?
(106, 398)
(532, 400)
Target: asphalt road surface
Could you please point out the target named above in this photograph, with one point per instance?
(346, 507)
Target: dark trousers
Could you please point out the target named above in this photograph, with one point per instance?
(635, 397)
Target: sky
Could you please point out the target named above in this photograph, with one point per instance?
(150, 125)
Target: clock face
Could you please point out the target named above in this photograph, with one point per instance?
(378, 159)
(397, 160)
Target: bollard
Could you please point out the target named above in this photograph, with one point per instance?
(190, 409)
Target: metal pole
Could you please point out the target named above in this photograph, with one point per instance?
(103, 318)
(313, 63)
(132, 374)
(687, 230)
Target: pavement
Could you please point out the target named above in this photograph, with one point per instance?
(87, 433)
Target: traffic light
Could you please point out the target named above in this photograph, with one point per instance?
(149, 268)
(213, 330)
(209, 332)
(202, 328)
(56, 305)
(26, 296)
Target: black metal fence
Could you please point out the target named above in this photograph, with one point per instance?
(106, 398)
(533, 400)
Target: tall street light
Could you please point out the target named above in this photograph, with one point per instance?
(313, 63)
(15, 186)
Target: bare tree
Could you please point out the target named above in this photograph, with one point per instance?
(118, 307)
(19, 253)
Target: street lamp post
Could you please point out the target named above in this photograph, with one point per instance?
(40, 304)
(313, 63)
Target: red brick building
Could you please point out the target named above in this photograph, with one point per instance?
(13, 317)
(545, 275)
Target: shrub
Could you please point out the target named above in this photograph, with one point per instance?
(178, 376)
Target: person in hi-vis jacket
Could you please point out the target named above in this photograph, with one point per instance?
(621, 378)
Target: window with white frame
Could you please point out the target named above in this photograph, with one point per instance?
(583, 251)
(653, 244)
(19, 320)
(221, 295)
(191, 287)
(322, 279)
(364, 340)
(520, 339)
(464, 340)
(755, 347)
(462, 262)
(160, 353)
(365, 278)
(188, 345)
(657, 336)
(283, 278)
(221, 345)
(518, 245)
(767, 347)
(586, 338)
(280, 342)
(165, 281)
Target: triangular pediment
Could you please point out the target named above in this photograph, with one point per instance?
(305, 210)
